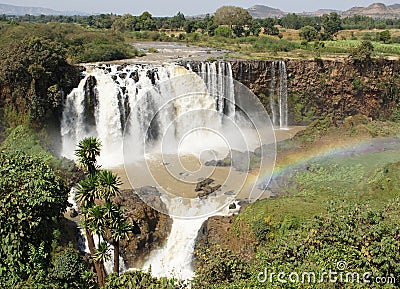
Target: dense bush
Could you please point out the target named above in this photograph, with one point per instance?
(263, 44)
(139, 280)
(218, 266)
(33, 72)
(32, 197)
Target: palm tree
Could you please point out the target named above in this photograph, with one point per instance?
(96, 221)
(87, 152)
(86, 191)
(102, 253)
(119, 231)
(108, 185)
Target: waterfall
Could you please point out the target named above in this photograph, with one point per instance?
(283, 107)
(278, 94)
(104, 104)
(136, 102)
(219, 80)
(175, 258)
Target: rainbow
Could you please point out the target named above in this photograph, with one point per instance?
(299, 157)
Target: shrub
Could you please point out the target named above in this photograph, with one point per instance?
(224, 31)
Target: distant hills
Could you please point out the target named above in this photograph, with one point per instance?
(375, 10)
(21, 10)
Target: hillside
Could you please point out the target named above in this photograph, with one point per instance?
(261, 11)
(376, 10)
(22, 10)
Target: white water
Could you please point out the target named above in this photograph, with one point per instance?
(150, 107)
(124, 102)
(278, 95)
(175, 258)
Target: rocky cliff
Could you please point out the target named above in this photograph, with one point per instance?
(317, 88)
(150, 228)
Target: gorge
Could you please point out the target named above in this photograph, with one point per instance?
(292, 91)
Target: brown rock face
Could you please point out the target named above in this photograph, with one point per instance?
(150, 228)
(317, 88)
(217, 231)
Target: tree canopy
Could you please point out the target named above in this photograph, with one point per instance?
(233, 16)
(32, 197)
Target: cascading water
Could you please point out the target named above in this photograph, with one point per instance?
(218, 77)
(105, 105)
(128, 105)
(278, 94)
(107, 95)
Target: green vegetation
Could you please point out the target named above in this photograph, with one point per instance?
(32, 198)
(340, 207)
(106, 219)
(33, 72)
(111, 37)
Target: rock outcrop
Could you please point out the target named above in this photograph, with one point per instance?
(317, 88)
(150, 228)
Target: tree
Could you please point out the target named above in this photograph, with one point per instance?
(331, 24)
(87, 152)
(291, 21)
(384, 36)
(232, 16)
(269, 26)
(363, 51)
(103, 217)
(146, 22)
(308, 33)
(177, 22)
(33, 73)
(255, 28)
(224, 31)
(32, 198)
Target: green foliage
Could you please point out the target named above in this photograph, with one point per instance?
(137, 279)
(384, 36)
(353, 233)
(69, 270)
(262, 228)
(262, 44)
(363, 51)
(224, 31)
(87, 152)
(331, 24)
(218, 266)
(231, 15)
(32, 74)
(308, 33)
(105, 220)
(93, 52)
(32, 198)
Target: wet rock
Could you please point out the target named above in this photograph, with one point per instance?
(150, 227)
(211, 163)
(232, 206)
(202, 184)
(73, 213)
(134, 75)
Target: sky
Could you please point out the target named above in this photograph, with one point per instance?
(188, 7)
